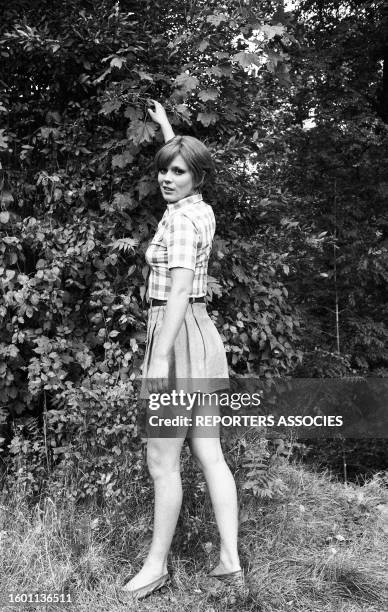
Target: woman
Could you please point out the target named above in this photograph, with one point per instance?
(183, 344)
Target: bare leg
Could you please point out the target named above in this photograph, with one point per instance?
(163, 459)
(222, 490)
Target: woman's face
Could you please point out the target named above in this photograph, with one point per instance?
(176, 181)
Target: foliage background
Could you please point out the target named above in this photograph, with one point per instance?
(293, 106)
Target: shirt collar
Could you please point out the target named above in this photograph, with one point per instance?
(192, 199)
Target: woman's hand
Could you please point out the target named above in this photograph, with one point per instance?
(157, 376)
(159, 115)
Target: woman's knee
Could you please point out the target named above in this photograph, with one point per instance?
(206, 451)
(162, 458)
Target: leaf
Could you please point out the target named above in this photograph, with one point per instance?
(217, 18)
(53, 116)
(283, 74)
(146, 186)
(213, 70)
(184, 112)
(273, 60)
(203, 45)
(6, 197)
(142, 291)
(221, 55)
(339, 537)
(133, 113)
(124, 201)
(270, 31)
(110, 106)
(145, 76)
(208, 94)
(246, 59)
(47, 131)
(141, 131)
(134, 345)
(117, 62)
(125, 244)
(186, 82)
(207, 118)
(102, 76)
(213, 286)
(4, 216)
(240, 274)
(122, 159)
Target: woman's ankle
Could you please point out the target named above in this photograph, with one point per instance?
(231, 563)
(156, 564)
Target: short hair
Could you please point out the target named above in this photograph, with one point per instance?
(193, 151)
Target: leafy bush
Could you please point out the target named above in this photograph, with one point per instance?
(298, 244)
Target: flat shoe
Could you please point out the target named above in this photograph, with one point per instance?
(231, 578)
(140, 593)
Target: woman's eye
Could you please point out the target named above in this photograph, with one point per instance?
(175, 170)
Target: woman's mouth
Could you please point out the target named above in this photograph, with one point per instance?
(167, 189)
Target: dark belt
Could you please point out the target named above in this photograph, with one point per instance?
(154, 302)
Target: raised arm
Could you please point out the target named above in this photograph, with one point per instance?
(159, 115)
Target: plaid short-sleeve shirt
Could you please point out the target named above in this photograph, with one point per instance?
(183, 239)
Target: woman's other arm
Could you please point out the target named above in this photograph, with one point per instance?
(178, 299)
(159, 115)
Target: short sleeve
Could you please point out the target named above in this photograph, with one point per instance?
(182, 241)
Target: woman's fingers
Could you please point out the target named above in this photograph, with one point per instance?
(151, 111)
(158, 113)
(157, 385)
(158, 375)
(162, 384)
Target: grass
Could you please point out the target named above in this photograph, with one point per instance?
(320, 546)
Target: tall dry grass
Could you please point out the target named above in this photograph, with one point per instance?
(320, 546)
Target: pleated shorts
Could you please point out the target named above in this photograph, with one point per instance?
(198, 359)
